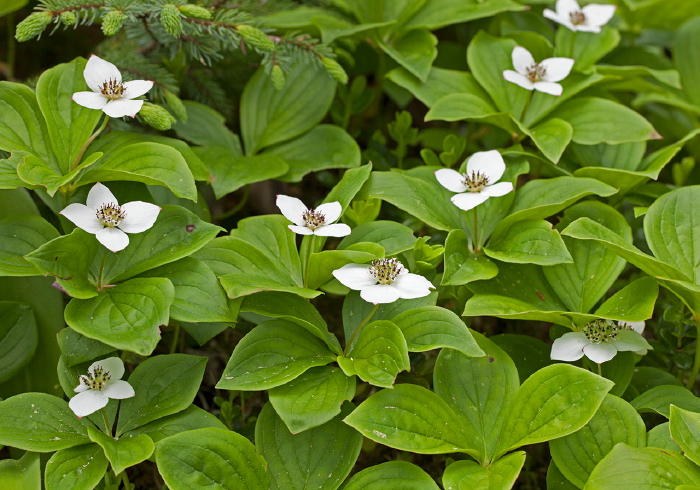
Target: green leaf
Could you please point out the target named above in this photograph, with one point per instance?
(685, 430)
(69, 125)
(469, 475)
(462, 266)
(198, 457)
(230, 172)
(324, 147)
(633, 303)
(292, 308)
(124, 452)
(440, 83)
(469, 107)
(660, 398)
(660, 437)
(529, 242)
(189, 419)
(477, 388)
(410, 418)
(69, 258)
(377, 355)
(320, 267)
(313, 398)
(127, 316)
(554, 402)
(528, 353)
(270, 116)
(551, 137)
(198, 295)
(588, 47)
(670, 225)
(39, 422)
(8, 171)
(18, 337)
(237, 285)
(77, 348)
(628, 467)
(147, 162)
(10, 6)
(620, 124)
(36, 172)
(435, 14)
(312, 459)
(24, 473)
(687, 63)
(76, 468)
(206, 127)
(431, 327)
(415, 50)
(273, 353)
(164, 385)
(396, 474)
(351, 183)
(557, 481)
(177, 233)
(393, 237)
(615, 421)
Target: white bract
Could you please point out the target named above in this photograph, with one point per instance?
(540, 76)
(109, 93)
(107, 220)
(600, 340)
(309, 221)
(480, 181)
(385, 281)
(587, 19)
(101, 383)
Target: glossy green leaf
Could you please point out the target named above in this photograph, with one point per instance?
(76, 468)
(348, 187)
(196, 458)
(557, 481)
(392, 474)
(24, 473)
(554, 402)
(164, 385)
(685, 430)
(270, 116)
(273, 353)
(77, 348)
(615, 421)
(415, 50)
(39, 422)
(18, 337)
(431, 327)
(588, 47)
(551, 137)
(660, 399)
(19, 235)
(312, 459)
(313, 398)
(190, 418)
(8, 171)
(529, 242)
(469, 475)
(410, 418)
(528, 353)
(462, 266)
(377, 355)
(124, 452)
(10, 6)
(393, 237)
(127, 316)
(628, 467)
(634, 302)
(440, 83)
(660, 437)
(206, 127)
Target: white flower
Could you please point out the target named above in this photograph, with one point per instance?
(385, 281)
(101, 383)
(540, 76)
(312, 221)
(600, 340)
(484, 168)
(107, 220)
(587, 19)
(109, 93)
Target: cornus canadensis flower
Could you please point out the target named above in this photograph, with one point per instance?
(385, 281)
(107, 220)
(109, 93)
(600, 340)
(312, 221)
(587, 19)
(540, 76)
(101, 383)
(480, 182)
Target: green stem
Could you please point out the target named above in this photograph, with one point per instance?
(696, 363)
(102, 270)
(600, 370)
(357, 330)
(236, 208)
(243, 417)
(105, 120)
(477, 245)
(176, 339)
(108, 430)
(308, 246)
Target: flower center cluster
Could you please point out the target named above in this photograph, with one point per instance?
(110, 214)
(112, 89)
(535, 72)
(96, 379)
(385, 271)
(599, 331)
(475, 182)
(313, 219)
(577, 17)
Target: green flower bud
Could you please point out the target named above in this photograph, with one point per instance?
(195, 11)
(33, 25)
(68, 18)
(175, 105)
(255, 37)
(171, 19)
(156, 116)
(112, 22)
(335, 70)
(277, 75)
